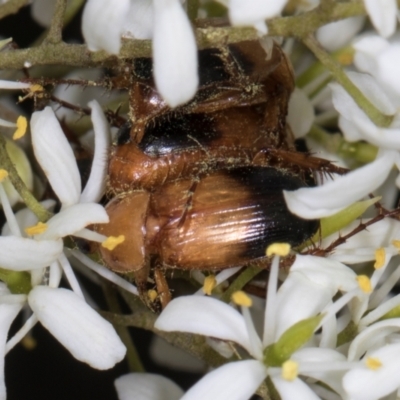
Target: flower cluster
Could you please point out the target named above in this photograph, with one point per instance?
(327, 323)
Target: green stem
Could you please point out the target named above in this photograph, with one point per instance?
(133, 358)
(245, 277)
(28, 198)
(376, 116)
(55, 31)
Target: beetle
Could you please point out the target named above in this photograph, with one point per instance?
(200, 186)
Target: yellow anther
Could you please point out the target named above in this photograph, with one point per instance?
(37, 229)
(36, 88)
(365, 283)
(346, 58)
(113, 241)
(290, 370)
(373, 363)
(29, 342)
(240, 298)
(22, 124)
(396, 243)
(209, 284)
(279, 249)
(380, 257)
(3, 174)
(152, 294)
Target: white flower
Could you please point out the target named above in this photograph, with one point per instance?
(379, 57)
(338, 34)
(383, 15)
(212, 318)
(174, 53)
(63, 312)
(355, 124)
(333, 196)
(254, 12)
(146, 387)
(301, 113)
(103, 24)
(377, 374)
(57, 160)
(174, 44)
(81, 330)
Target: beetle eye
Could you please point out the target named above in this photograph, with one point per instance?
(123, 135)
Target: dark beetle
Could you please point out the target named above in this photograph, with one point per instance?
(200, 186)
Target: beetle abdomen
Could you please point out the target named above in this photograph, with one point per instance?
(231, 218)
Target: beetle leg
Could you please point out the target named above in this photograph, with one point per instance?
(162, 287)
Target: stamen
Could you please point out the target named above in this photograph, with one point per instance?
(22, 125)
(40, 227)
(373, 363)
(152, 295)
(240, 298)
(279, 249)
(3, 174)
(209, 284)
(396, 243)
(380, 257)
(112, 242)
(364, 283)
(36, 88)
(290, 370)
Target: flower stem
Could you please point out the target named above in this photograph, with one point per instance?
(246, 276)
(28, 198)
(376, 116)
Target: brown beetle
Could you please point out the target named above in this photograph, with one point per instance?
(200, 186)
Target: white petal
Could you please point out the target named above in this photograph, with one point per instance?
(8, 312)
(325, 272)
(361, 247)
(26, 217)
(366, 384)
(73, 219)
(347, 107)
(383, 15)
(331, 378)
(299, 298)
(368, 336)
(146, 387)
(233, 381)
(204, 316)
(386, 68)
(252, 11)
(20, 254)
(301, 113)
(21, 162)
(338, 34)
(12, 85)
(334, 196)
(139, 21)
(84, 333)
(368, 48)
(293, 390)
(96, 184)
(102, 24)
(55, 156)
(174, 53)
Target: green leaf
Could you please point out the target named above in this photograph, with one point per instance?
(290, 341)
